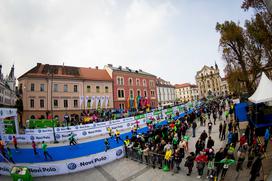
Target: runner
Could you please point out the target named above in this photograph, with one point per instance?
(45, 152)
(72, 140)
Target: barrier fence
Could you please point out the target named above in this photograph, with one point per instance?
(90, 130)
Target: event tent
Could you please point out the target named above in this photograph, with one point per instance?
(263, 92)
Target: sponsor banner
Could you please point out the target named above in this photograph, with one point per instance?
(7, 112)
(29, 138)
(149, 115)
(68, 166)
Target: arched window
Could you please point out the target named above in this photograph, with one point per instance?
(32, 117)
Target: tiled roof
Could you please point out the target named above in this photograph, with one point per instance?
(182, 85)
(61, 71)
(127, 69)
(162, 83)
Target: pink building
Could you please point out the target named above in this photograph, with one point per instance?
(132, 88)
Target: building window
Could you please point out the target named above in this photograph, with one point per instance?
(32, 103)
(130, 82)
(41, 103)
(137, 82)
(122, 106)
(75, 103)
(88, 88)
(65, 103)
(121, 94)
(138, 92)
(32, 87)
(89, 103)
(55, 87)
(151, 83)
(131, 94)
(120, 80)
(97, 89)
(152, 93)
(75, 88)
(42, 87)
(145, 93)
(56, 103)
(65, 88)
(106, 89)
(144, 82)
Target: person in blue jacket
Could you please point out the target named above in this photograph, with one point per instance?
(230, 136)
(266, 138)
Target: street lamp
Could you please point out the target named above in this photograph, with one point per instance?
(54, 133)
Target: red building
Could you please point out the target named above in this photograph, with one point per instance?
(132, 88)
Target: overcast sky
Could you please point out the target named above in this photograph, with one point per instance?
(170, 39)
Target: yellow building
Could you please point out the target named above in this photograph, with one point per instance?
(208, 81)
(64, 90)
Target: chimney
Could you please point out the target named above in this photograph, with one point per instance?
(109, 65)
(120, 67)
(140, 70)
(96, 67)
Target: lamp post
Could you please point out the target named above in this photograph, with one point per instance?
(54, 133)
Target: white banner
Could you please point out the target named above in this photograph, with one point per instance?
(86, 102)
(92, 101)
(81, 100)
(102, 101)
(7, 112)
(68, 166)
(107, 101)
(97, 99)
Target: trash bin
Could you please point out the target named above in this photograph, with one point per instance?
(20, 174)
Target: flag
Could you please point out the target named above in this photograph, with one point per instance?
(81, 99)
(92, 101)
(97, 101)
(86, 101)
(135, 103)
(107, 101)
(102, 101)
(128, 103)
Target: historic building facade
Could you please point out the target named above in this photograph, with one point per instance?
(166, 92)
(186, 92)
(132, 88)
(59, 90)
(208, 81)
(224, 87)
(7, 89)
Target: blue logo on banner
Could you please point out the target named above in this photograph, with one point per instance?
(71, 166)
(58, 129)
(128, 124)
(119, 152)
(57, 136)
(94, 125)
(10, 137)
(32, 138)
(76, 127)
(84, 133)
(39, 130)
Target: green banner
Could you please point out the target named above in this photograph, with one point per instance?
(42, 123)
(157, 113)
(141, 116)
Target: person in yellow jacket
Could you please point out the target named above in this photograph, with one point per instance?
(126, 143)
(167, 157)
(117, 136)
(110, 132)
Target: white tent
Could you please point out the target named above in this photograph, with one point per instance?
(263, 92)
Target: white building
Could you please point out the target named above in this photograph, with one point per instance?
(165, 92)
(7, 88)
(186, 92)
